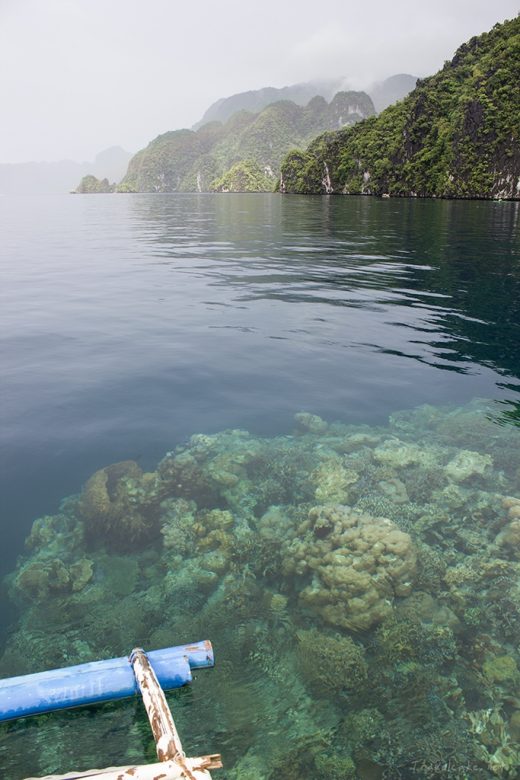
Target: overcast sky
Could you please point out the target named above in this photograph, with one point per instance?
(77, 76)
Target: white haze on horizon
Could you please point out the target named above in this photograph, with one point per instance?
(78, 76)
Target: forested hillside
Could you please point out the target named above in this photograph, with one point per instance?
(204, 160)
(456, 135)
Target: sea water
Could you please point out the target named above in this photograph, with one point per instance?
(291, 422)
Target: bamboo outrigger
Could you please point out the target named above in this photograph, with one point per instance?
(117, 678)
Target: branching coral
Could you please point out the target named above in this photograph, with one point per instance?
(497, 749)
(330, 663)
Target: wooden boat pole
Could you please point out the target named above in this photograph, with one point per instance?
(166, 770)
(167, 741)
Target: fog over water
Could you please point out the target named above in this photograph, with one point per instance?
(77, 76)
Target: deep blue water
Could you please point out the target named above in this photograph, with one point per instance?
(131, 322)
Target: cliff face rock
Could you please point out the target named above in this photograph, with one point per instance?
(456, 135)
(206, 159)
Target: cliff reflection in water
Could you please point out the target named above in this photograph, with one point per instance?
(444, 277)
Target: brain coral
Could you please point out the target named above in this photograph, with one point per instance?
(356, 564)
(330, 664)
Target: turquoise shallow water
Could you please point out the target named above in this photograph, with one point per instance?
(359, 580)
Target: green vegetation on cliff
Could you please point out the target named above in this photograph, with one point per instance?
(244, 176)
(456, 135)
(206, 159)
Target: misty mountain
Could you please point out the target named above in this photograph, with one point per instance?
(456, 135)
(392, 89)
(382, 93)
(111, 163)
(201, 160)
(256, 99)
(62, 176)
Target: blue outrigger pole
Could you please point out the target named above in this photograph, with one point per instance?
(118, 678)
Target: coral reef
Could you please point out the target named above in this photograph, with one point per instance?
(361, 586)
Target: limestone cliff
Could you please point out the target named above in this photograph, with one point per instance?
(456, 135)
(191, 161)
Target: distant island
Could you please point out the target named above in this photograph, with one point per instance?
(456, 135)
(91, 184)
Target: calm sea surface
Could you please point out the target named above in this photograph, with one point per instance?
(129, 323)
